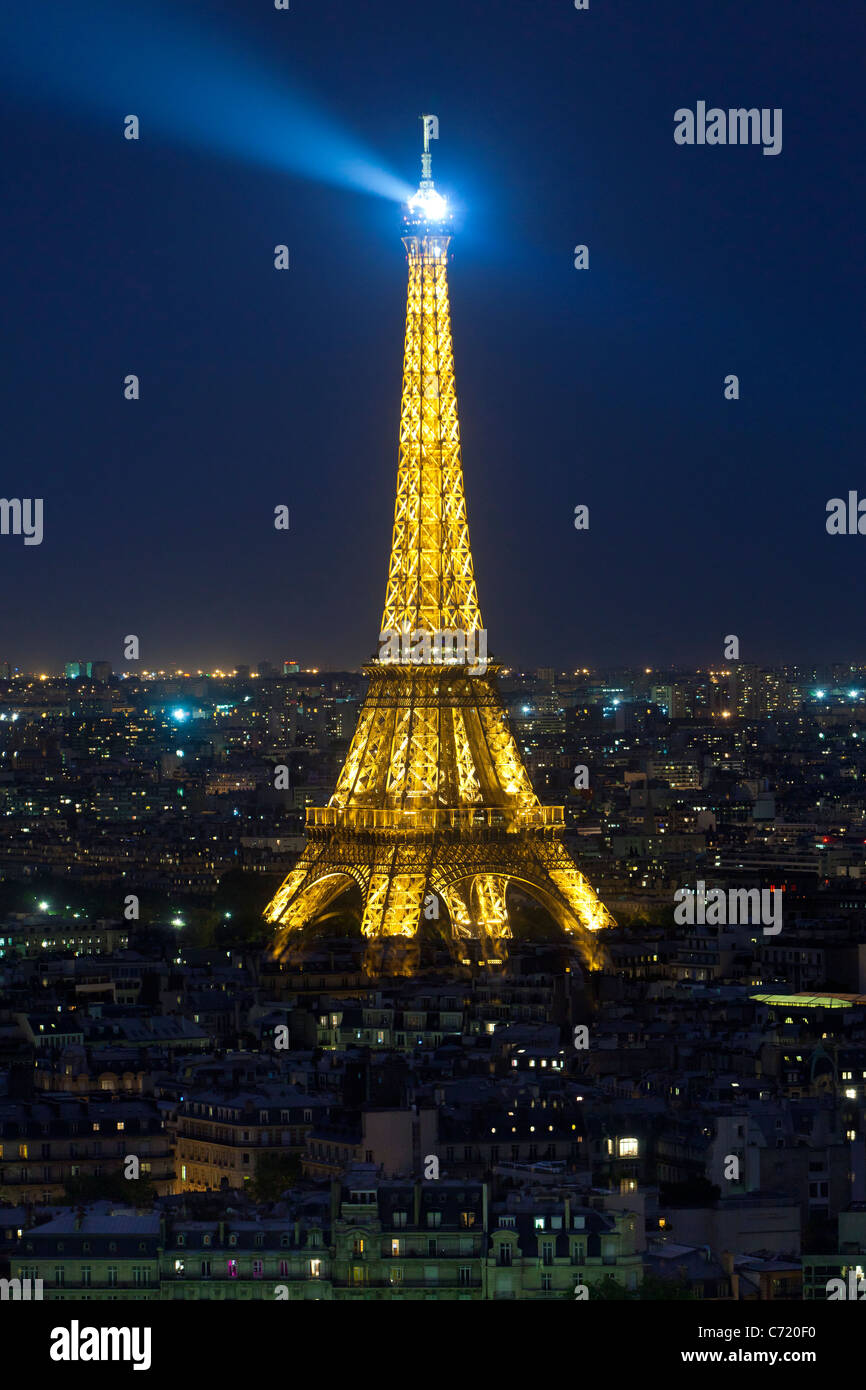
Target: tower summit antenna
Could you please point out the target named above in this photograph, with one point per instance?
(430, 127)
(428, 208)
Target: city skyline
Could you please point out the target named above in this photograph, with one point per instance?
(251, 669)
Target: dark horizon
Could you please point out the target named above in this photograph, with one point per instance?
(823, 670)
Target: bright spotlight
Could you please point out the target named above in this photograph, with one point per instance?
(429, 204)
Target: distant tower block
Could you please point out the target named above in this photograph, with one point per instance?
(433, 797)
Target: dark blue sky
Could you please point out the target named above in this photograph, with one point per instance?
(605, 387)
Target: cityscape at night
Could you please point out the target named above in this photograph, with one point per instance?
(432, 681)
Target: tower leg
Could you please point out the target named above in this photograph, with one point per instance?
(392, 955)
(491, 915)
(304, 895)
(392, 912)
(478, 914)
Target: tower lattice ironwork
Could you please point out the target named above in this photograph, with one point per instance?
(433, 803)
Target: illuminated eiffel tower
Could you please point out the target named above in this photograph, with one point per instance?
(433, 803)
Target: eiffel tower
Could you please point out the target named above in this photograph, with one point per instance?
(433, 803)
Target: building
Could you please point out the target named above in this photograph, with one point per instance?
(221, 1138)
(101, 1252)
(47, 1143)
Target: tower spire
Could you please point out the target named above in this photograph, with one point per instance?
(431, 583)
(427, 205)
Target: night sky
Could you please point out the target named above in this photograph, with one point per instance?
(258, 387)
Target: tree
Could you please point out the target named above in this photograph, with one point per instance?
(653, 1289)
(694, 1192)
(274, 1173)
(134, 1192)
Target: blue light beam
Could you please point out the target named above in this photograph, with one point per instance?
(185, 83)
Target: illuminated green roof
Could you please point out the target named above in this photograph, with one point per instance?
(811, 1001)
